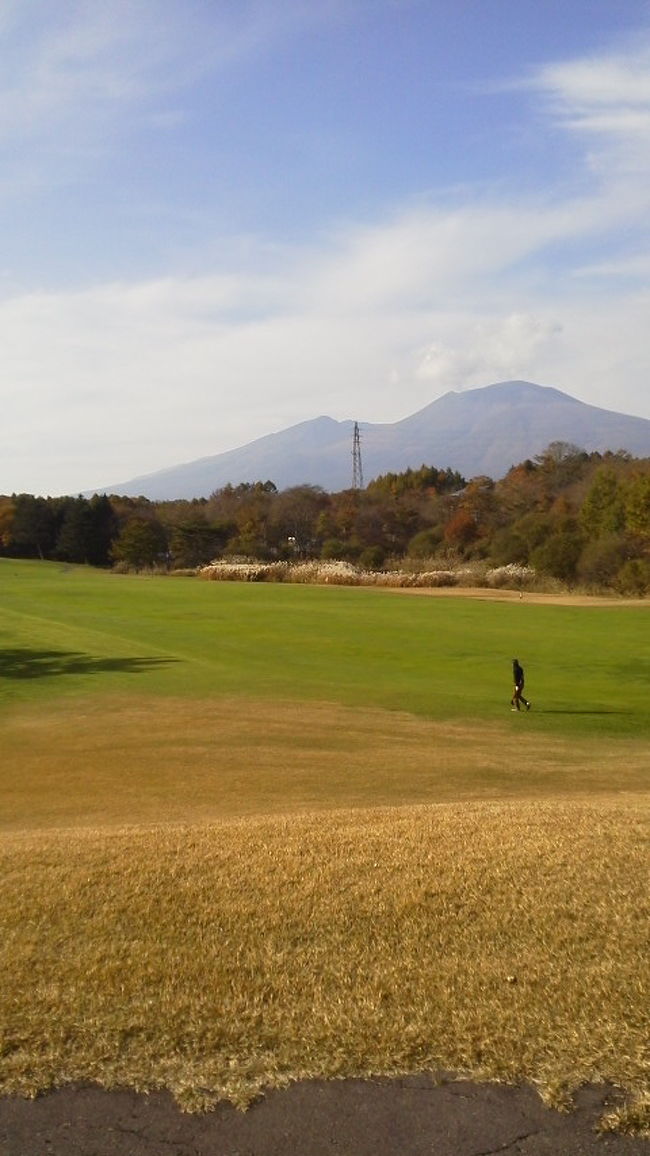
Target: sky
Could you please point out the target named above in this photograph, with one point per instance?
(219, 218)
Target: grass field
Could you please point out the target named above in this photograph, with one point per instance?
(252, 833)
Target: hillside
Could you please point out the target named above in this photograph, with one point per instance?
(478, 431)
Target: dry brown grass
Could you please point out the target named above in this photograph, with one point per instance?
(536, 597)
(507, 941)
(240, 933)
(136, 760)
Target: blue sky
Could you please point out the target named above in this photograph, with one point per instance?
(222, 217)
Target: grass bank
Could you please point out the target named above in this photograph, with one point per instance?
(502, 941)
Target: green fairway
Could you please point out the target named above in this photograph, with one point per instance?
(75, 631)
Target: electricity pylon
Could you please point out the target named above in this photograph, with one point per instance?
(357, 468)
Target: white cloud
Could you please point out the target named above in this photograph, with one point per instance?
(489, 350)
(606, 99)
(614, 81)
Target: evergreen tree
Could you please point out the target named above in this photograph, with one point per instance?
(603, 510)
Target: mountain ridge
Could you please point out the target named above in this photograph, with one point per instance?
(479, 431)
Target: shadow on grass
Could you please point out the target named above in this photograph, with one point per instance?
(25, 663)
(578, 710)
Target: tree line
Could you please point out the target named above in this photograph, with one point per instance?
(576, 516)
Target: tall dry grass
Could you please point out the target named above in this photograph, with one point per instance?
(339, 573)
(507, 941)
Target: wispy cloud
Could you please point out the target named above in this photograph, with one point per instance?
(75, 75)
(606, 99)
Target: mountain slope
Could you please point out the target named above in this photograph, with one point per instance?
(478, 431)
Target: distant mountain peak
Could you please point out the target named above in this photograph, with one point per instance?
(481, 431)
(513, 390)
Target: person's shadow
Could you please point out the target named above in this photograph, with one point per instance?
(579, 710)
(24, 663)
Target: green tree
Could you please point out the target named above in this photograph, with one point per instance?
(425, 543)
(558, 556)
(372, 558)
(423, 480)
(34, 528)
(334, 548)
(86, 530)
(195, 540)
(602, 559)
(142, 543)
(637, 505)
(101, 531)
(634, 577)
(603, 510)
(508, 546)
(74, 530)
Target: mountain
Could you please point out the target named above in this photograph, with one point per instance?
(478, 431)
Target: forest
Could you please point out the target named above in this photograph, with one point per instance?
(580, 518)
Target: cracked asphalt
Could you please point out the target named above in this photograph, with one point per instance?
(412, 1116)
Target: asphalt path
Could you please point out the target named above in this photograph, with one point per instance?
(413, 1116)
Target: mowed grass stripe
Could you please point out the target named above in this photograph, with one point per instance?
(95, 642)
(132, 759)
(501, 941)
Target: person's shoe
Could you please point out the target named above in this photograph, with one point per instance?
(528, 705)
(514, 708)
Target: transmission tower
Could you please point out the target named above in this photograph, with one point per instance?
(357, 468)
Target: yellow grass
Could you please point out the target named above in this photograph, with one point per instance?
(181, 906)
(103, 761)
(503, 940)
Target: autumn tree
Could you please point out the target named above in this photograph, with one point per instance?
(7, 514)
(461, 529)
(294, 519)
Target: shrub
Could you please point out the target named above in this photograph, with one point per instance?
(436, 578)
(634, 577)
(512, 575)
(332, 548)
(372, 558)
(508, 547)
(559, 555)
(424, 544)
(602, 559)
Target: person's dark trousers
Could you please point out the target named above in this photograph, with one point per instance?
(518, 698)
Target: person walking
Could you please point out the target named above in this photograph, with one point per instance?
(518, 679)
